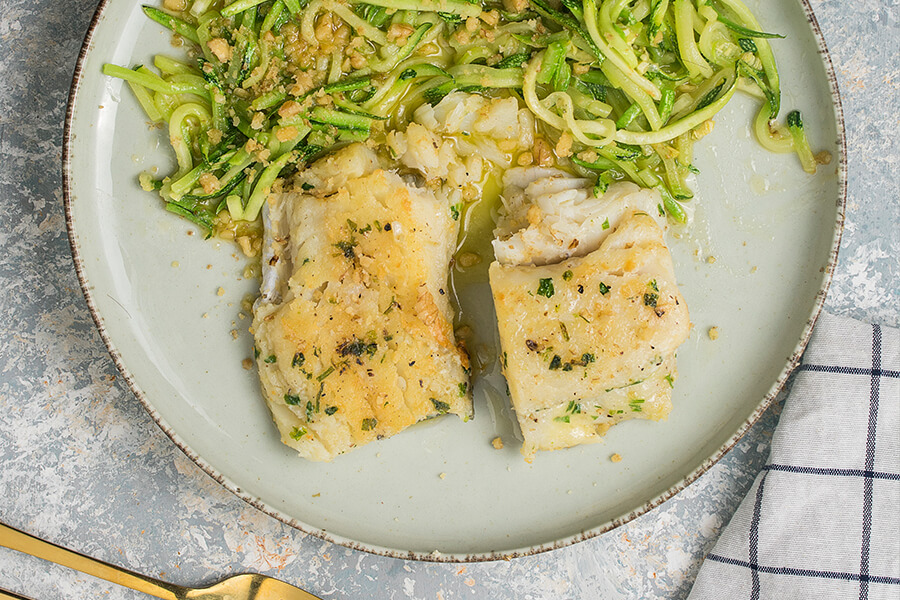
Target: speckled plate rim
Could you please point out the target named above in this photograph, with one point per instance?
(704, 466)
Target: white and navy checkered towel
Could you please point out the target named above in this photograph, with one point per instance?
(822, 520)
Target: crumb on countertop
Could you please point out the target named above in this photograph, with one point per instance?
(443, 476)
(247, 363)
(497, 443)
(713, 333)
(220, 291)
(616, 458)
(710, 260)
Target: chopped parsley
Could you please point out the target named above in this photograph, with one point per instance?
(311, 408)
(635, 404)
(331, 410)
(255, 352)
(573, 407)
(586, 359)
(567, 276)
(297, 433)
(463, 387)
(357, 347)
(291, 399)
(270, 359)
(604, 289)
(565, 332)
(605, 224)
(545, 288)
(669, 380)
(440, 406)
(555, 362)
(325, 373)
(298, 360)
(653, 285)
(455, 210)
(307, 186)
(346, 247)
(622, 387)
(562, 419)
(650, 299)
(369, 424)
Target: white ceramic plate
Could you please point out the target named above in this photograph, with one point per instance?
(441, 487)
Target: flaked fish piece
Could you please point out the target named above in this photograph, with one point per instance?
(589, 333)
(354, 327)
(549, 215)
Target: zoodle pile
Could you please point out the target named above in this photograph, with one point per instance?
(621, 89)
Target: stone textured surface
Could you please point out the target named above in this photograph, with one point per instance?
(82, 464)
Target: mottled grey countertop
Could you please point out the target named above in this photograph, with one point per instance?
(82, 464)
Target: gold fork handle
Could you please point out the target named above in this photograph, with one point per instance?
(21, 541)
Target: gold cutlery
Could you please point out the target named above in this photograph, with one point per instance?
(249, 586)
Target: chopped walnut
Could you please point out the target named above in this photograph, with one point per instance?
(289, 109)
(564, 145)
(286, 134)
(542, 153)
(247, 246)
(704, 128)
(220, 48)
(468, 259)
(209, 182)
(357, 60)
(515, 6)
(525, 159)
(491, 17)
(398, 32)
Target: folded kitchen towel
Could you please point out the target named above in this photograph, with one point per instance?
(822, 519)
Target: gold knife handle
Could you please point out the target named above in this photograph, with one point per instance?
(21, 541)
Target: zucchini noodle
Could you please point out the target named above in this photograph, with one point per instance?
(604, 129)
(269, 85)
